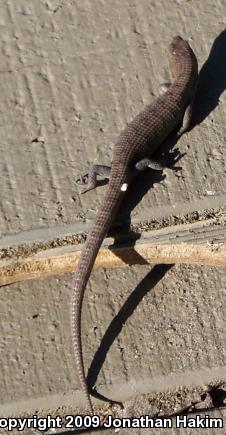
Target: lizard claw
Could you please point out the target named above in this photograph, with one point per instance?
(85, 190)
(82, 180)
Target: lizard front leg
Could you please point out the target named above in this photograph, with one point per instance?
(186, 121)
(89, 180)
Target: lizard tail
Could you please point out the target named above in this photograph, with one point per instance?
(100, 228)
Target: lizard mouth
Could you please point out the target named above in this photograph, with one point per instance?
(177, 44)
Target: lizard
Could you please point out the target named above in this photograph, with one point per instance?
(143, 135)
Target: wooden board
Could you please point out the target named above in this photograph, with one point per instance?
(201, 243)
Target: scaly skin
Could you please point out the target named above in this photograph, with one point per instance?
(139, 140)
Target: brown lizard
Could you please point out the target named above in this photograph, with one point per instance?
(131, 155)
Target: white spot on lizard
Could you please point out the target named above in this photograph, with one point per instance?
(124, 187)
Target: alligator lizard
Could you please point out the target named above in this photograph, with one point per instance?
(131, 154)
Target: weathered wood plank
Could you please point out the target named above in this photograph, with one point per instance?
(200, 243)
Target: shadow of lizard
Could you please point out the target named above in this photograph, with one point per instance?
(211, 84)
(115, 327)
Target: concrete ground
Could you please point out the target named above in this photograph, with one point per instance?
(73, 73)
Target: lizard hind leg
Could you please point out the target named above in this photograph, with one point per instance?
(89, 180)
(146, 163)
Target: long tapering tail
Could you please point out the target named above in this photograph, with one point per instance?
(100, 228)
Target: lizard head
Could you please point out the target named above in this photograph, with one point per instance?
(178, 45)
(179, 52)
